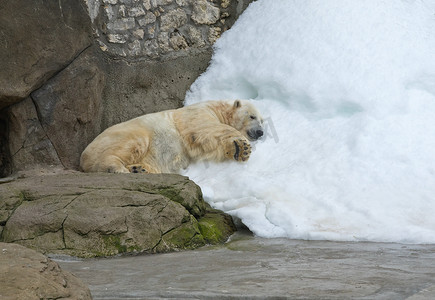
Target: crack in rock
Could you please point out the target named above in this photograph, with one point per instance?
(63, 231)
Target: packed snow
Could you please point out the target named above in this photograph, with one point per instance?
(347, 90)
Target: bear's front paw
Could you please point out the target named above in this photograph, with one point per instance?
(242, 150)
(136, 169)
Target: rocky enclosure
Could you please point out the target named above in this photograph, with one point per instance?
(68, 70)
(71, 68)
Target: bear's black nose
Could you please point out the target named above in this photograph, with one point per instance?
(259, 132)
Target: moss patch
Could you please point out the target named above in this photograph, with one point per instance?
(172, 194)
(25, 196)
(186, 236)
(216, 227)
(112, 245)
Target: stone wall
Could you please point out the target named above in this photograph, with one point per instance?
(71, 68)
(156, 28)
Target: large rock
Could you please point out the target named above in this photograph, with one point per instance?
(28, 143)
(70, 105)
(26, 274)
(91, 215)
(37, 40)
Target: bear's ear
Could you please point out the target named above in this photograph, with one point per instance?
(237, 104)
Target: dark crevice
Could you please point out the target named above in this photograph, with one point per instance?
(163, 208)
(38, 112)
(73, 200)
(63, 231)
(19, 149)
(57, 200)
(6, 167)
(71, 61)
(45, 132)
(184, 221)
(24, 146)
(153, 249)
(61, 69)
(133, 205)
(170, 230)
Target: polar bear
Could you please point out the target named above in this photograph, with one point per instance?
(168, 141)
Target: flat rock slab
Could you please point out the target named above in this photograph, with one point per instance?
(26, 274)
(256, 268)
(90, 215)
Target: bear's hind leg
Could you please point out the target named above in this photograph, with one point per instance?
(143, 167)
(112, 164)
(136, 169)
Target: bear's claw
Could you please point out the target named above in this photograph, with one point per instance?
(242, 150)
(136, 169)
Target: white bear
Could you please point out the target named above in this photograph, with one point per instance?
(168, 141)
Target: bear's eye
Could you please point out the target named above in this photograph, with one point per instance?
(253, 117)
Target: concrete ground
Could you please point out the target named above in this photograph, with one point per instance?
(248, 267)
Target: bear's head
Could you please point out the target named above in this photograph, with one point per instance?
(247, 120)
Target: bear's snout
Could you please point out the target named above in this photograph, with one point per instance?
(255, 133)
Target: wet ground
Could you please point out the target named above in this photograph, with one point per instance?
(248, 267)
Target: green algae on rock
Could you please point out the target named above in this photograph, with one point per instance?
(216, 227)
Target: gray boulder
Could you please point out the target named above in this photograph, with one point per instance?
(26, 275)
(90, 215)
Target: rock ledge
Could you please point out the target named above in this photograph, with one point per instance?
(93, 215)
